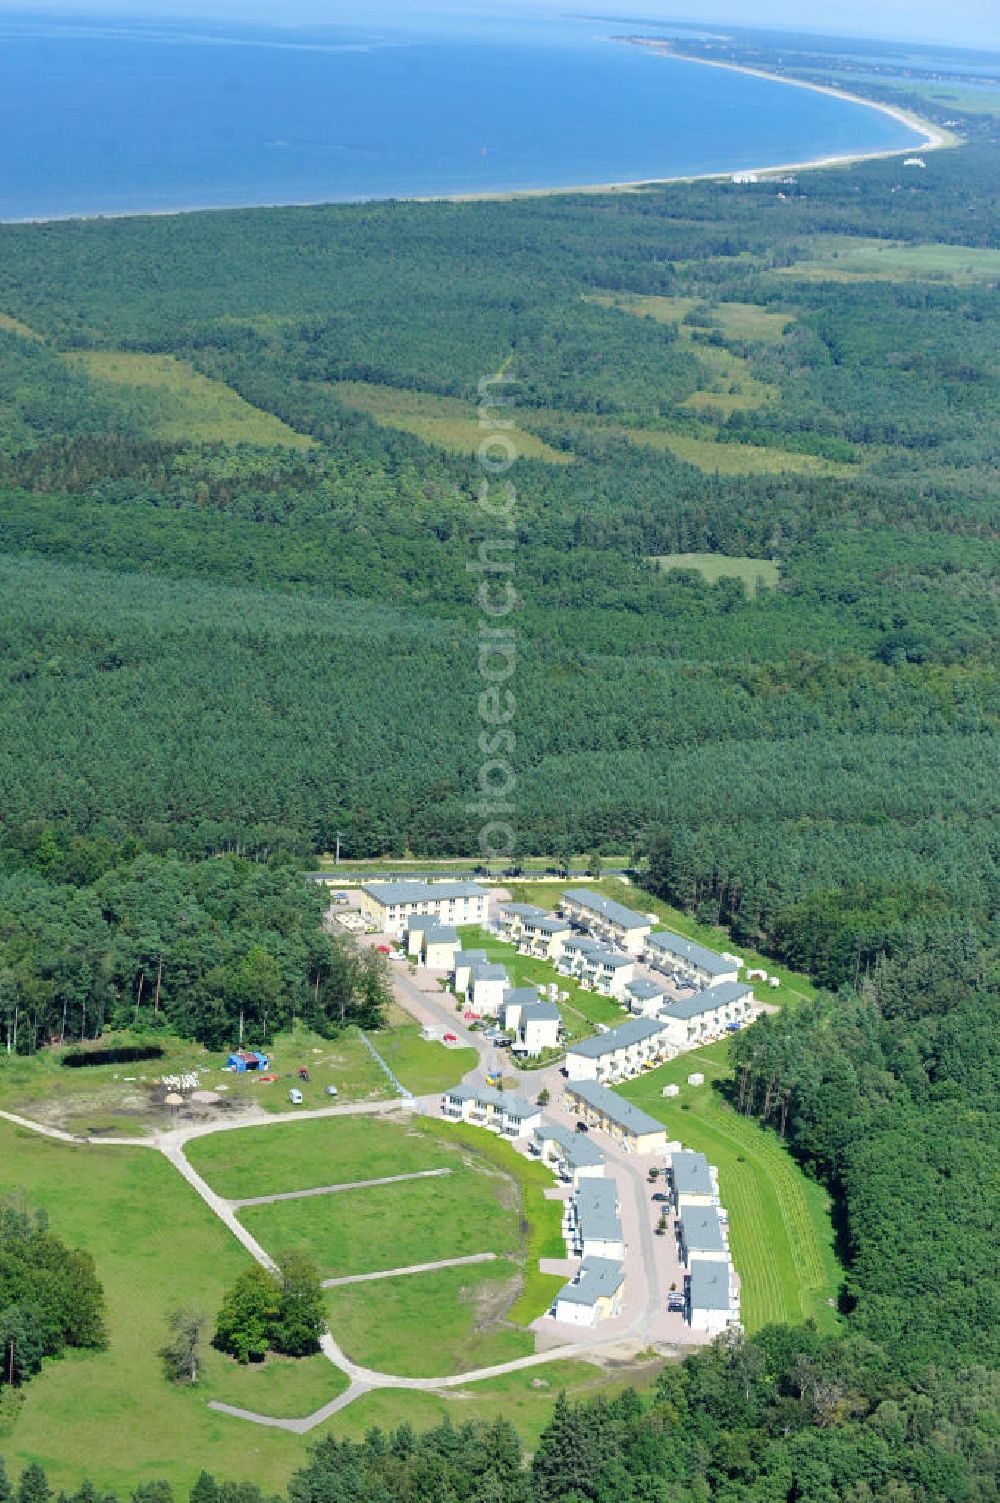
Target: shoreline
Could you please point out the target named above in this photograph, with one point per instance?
(935, 139)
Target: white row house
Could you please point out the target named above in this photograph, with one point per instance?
(593, 1223)
(536, 1025)
(391, 905)
(619, 1053)
(693, 1181)
(708, 1014)
(683, 957)
(712, 1299)
(482, 982)
(593, 965)
(595, 1293)
(644, 998)
(533, 930)
(701, 1234)
(574, 1156)
(606, 918)
(505, 1112)
(435, 943)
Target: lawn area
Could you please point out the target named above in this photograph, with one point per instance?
(283, 1386)
(110, 1415)
(746, 321)
(525, 1398)
(422, 1066)
(177, 401)
(471, 1210)
(268, 1160)
(730, 459)
(430, 1324)
(780, 1229)
(445, 421)
(846, 258)
(754, 572)
(583, 1010)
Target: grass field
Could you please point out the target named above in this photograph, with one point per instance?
(471, 1210)
(524, 1398)
(445, 421)
(846, 259)
(124, 1100)
(15, 326)
(328, 1151)
(429, 1324)
(746, 321)
(780, 1230)
(580, 1013)
(754, 572)
(178, 402)
(110, 1415)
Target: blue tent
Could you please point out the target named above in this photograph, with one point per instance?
(246, 1059)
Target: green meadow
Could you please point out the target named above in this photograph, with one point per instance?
(756, 573)
(445, 421)
(180, 403)
(831, 258)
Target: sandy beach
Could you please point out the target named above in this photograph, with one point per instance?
(934, 138)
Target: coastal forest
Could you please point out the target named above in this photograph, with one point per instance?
(752, 525)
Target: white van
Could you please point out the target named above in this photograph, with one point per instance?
(295, 1097)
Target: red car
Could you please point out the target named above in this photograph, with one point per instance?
(450, 1038)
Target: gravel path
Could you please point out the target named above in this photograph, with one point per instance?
(355, 1184)
(396, 1273)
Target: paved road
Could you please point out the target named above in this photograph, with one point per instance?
(357, 1184)
(396, 1273)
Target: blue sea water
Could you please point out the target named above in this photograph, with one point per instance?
(117, 117)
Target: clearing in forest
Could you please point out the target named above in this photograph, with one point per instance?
(728, 385)
(187, 404)
(844, 258)
(447, 422)
(754, 572)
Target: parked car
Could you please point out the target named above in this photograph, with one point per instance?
(295, 1096)
(450, 1038)
(582, 1127)
(331, 1090)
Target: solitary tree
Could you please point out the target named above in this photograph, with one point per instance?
(181, 1353)
(247, 1318)
(300, 1309)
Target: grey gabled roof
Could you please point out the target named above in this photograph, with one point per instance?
(597, 1210)
(421, 892)
(687, 949)
(686, 1008)
(623, 1037)
(724, 992)
(541, 1012)
(643, 988)
(702, 1229)
(519, 1106)
(469, 957)
(488, 970)
(550, 925)
(580, 1150)
(523, 910)
(691, 1175)
(522, 996)
(614, 913)
(510, 1102)
(614, 1107)
(441, 934)
(597, 1278)
(709, 1288)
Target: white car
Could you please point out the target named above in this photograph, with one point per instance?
(295, 1097)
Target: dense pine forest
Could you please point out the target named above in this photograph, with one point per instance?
(240, 514)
